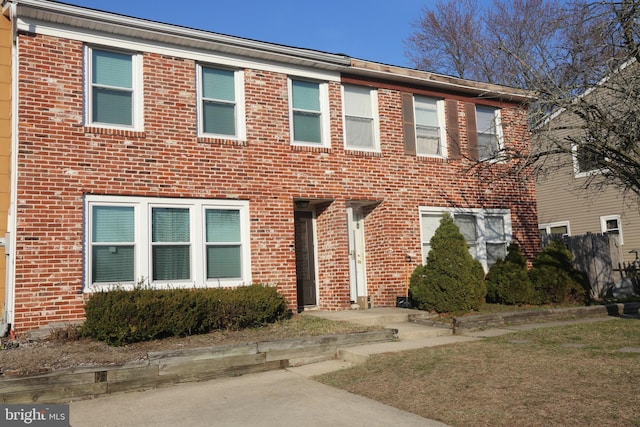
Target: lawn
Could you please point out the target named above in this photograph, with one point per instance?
(565, 376)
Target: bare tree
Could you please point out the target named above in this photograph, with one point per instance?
(580, 59)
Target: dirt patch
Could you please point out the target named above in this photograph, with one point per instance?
(59, 352)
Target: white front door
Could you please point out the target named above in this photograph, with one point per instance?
(357, 269)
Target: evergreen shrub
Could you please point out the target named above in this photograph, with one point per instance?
(554, 278)
(451, 281)
(120, 316)
(508, 280)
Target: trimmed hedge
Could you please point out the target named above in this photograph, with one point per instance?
(125, 316)
(508, 280)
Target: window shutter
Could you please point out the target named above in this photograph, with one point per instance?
(453, 130)
(472, 130)
(408, 126)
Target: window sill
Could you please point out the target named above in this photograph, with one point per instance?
(362, 153)
(311, 148)
(129, 133)
(221, 141)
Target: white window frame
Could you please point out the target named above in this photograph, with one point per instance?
(499, 134)
(479, 214)
(240, 114)
(137, 109)
(373, 98)
(142, 246)
(576, 165)
(605, 230)
(325, 133)
(441, 123)
(549, 225)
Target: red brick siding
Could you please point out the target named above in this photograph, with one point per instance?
(60, 160)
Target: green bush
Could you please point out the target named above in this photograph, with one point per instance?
(124, 316)
(554, 279)
(508, 280)
(452, 281)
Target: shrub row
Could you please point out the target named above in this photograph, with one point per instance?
(124, 316)
(452, 281)
(551, 280)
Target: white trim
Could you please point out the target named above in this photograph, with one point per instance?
(497, 117)
(325, 129)
(240, 111)
(169, 49)
(577, 173)
(549, 225)
(479, 214)
(137, 91)
(603, 226)
(373, 99)
(440, 116)
(142, 241)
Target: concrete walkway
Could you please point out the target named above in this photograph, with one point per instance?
(285, 397)
(275, 398)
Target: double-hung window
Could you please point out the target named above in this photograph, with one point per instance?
(554, 229)
(221, 102)
(113, 92)
(360, 118)
(308, 112)
(611, 224)
(487, 231)
(430, 134)
(166, 242)
(488, 123)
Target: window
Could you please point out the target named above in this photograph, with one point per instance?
(167, 242)
(489, 132)
(308, 103)
(221, 100)
(430, 135)
(360, 118)
(487, 231)
(554, 228)
(113, 94)
(585, 161)
(611, 224)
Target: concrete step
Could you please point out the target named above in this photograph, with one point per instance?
(412, 331)
(360, 354)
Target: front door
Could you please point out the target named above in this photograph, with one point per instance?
(305, 259)
(355, 220)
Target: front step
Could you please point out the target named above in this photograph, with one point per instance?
(413, 331)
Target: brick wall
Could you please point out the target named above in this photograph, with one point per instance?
(60, 160)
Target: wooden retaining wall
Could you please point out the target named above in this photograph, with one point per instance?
(179, 366)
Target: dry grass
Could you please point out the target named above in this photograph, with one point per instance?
(64, 349)
(565, 376)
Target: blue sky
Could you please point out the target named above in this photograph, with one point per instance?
(367, 29)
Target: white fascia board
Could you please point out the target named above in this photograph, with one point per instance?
(198, 55)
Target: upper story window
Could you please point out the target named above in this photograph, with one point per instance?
(221, 102)
(423, 123)
(585, 161)
(360, 118)
(114, 88)
(430, 133)
(489, 128)
(166, 242)
(309, 112)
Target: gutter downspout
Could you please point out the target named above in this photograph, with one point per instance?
(10, 6)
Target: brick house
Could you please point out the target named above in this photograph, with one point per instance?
(144, 151)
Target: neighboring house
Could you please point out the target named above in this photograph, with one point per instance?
(147, 152)
(573, 196)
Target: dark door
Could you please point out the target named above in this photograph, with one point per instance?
(305, 259)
